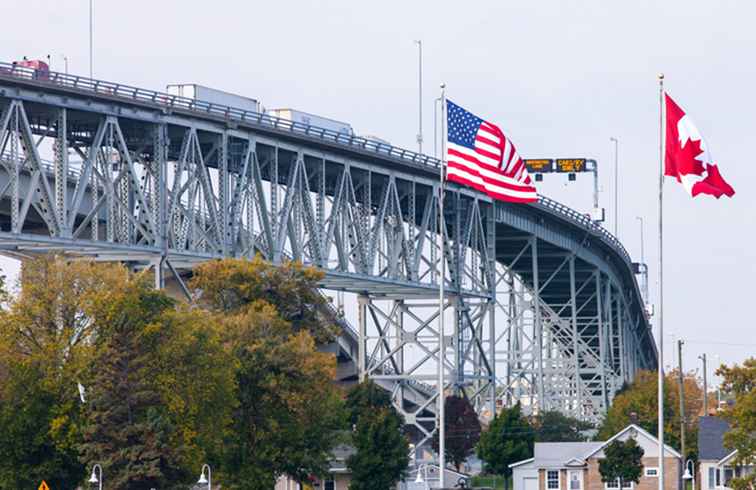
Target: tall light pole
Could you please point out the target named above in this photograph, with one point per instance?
(682, 397)
(93, 478)
(705, 385)
(65, 63)
(616, 183)
(91, 36)
(420, 95)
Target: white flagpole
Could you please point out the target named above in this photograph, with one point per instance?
(442, 280)
(661, 286)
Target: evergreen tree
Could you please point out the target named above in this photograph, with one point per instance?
(554, 426)
(623, 461)
(126, 428)
(508, 439)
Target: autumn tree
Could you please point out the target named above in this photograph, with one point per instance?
(508, 439)
(554, 426)
(157, 389)
(45, 347)
(73, 322)
(739, 381)
(638, 404)
(622, 461)
(382, 448)
(288, 413)
(462, 429)
(292, 289)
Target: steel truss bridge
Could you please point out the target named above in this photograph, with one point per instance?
(542, 306)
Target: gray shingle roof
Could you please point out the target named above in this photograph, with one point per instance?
(557, 454)
(711, 431)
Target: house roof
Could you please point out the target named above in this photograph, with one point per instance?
(557, 454)
(711, 431)
(637, 429)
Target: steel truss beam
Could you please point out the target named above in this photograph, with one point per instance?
(531, 316)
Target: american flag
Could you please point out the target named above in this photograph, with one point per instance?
(481, 157)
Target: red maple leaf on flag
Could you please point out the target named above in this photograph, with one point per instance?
(685, 159)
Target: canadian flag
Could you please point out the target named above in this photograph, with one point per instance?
(687, 157)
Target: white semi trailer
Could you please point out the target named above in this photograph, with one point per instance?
(207, 94)
(312, 120)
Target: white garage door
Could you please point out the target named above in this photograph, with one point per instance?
(530, 483)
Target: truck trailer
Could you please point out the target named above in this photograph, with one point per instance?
(206, 94)
(313, 120)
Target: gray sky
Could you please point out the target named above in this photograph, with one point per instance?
(561, 78)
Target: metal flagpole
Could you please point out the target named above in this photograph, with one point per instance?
(441, 299)
(661, 286)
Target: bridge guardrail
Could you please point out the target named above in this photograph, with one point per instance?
(103, 87)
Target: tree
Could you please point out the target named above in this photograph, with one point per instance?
(623, 461)
(382, 449)
(638, 404)
(159, 386)
(288, 414)
(45, 346)
(462, 429)
(740, 382)
(126, 430)
(230, 284)
(508, 439)
(554, 426)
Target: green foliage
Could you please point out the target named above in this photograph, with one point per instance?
(235, 381)
(622, 460)
(740, 382)
(638, 404)
(127, 429)
(365, 397)
(508, 439)
(554, 426)
(288, 414)
(382, 449)
(462, 429)
(28, 453)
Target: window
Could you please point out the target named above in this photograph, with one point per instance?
(329, 485)
(712, 477)
(652, 471)
(575, 480)
(615, 485)
(719, 477)
(728, 474)
(552, 480)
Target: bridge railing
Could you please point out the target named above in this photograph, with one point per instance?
(102, 87)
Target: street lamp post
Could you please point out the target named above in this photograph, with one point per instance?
(616, 183)
(209, 480)
(419, 478)
(690, 474)
(94, 478)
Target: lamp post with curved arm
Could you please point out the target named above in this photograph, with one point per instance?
(209, 480)
(94, 478)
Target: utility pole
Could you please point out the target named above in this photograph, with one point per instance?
(705, 386)
(682, 399)
(420, 96)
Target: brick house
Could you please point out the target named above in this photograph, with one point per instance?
(575, 465)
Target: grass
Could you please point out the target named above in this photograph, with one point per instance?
(492, 481)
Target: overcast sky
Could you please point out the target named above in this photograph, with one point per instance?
(561, 78)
